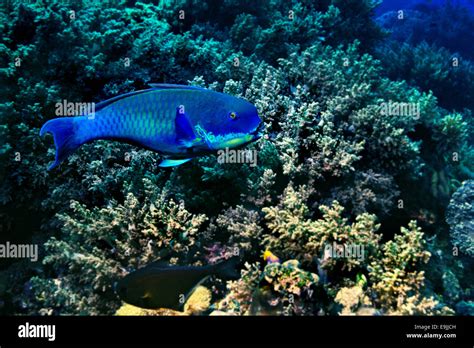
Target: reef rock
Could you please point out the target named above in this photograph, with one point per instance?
(197, 303)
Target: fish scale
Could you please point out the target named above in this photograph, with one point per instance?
(135, 120)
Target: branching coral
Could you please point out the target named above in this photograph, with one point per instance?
(354, 301)
(240, 295)
(239, 229)
(295, 235)
(101, 245)
(394, 282)
(280, 289)
(369, 192)
(460, 217)
(396, 278)
(294, 288)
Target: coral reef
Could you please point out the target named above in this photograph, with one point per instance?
(396, 280)
(359, 141)
(460, 217)
(101, 245)
(280, 289)
(351, 299)
(293, 235)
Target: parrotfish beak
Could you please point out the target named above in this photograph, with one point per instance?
(258, 132)
(231, 140)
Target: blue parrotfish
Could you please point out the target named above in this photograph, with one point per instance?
(177, 121)
(159, 285)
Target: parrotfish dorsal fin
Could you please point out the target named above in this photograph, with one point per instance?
(169, 162)
(154, 86)
(157, 265)
(172, 86)
(107, 102)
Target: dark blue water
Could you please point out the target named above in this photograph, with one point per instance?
(394, 5)
(446, 24)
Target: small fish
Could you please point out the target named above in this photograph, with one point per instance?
(361, 279)
(270, 257)
(163, 286)
(179, 122)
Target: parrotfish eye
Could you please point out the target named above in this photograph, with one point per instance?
(233, 115)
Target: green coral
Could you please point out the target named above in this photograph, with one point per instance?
(395, 276)
(294, 235)
(101, 245)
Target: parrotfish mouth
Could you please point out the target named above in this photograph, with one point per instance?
(231, 140)
(258, 132)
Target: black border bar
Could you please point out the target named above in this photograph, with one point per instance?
(242, 330)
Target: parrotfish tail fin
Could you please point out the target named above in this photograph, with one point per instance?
(64, 135)
(228, 269)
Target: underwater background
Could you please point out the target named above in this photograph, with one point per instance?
(368, 108)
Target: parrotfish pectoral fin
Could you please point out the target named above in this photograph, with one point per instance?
(184, 128)
(64, 136)
(173, 162)
(205, 136)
